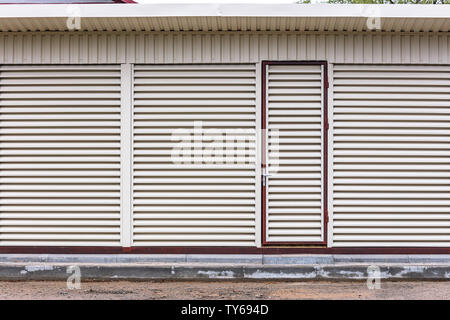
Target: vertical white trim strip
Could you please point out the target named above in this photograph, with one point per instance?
(330, 155)
(258, 208)
(126, 154)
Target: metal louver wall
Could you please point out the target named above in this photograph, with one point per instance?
(196, 202)
(294, 184)
(223, 47)
(391, 155)
(60, 155)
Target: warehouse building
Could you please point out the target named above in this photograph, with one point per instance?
(224, 128)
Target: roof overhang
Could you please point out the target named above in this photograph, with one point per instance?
(226, 17)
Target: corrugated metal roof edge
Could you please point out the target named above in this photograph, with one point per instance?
(227, 17)
(229, 10)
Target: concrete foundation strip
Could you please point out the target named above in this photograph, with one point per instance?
(221, 267)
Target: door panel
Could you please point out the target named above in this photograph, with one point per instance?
(293, 182)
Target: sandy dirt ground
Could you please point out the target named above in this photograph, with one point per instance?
(224, 290)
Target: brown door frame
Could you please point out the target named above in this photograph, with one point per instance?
(325, 124)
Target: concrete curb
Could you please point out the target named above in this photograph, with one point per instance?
(214, 267)
(254, 259)
(195, 271)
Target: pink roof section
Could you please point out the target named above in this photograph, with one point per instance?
(65, 1)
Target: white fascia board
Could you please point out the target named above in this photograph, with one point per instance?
(225, 10)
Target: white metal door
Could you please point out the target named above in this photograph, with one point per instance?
(204, 199)
(391, 155)
(60, 155)
(293, 184)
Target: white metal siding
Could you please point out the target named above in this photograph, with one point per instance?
(223, 47)
(199, 203)
(391, 155)
(60, 155)
(294, 184)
